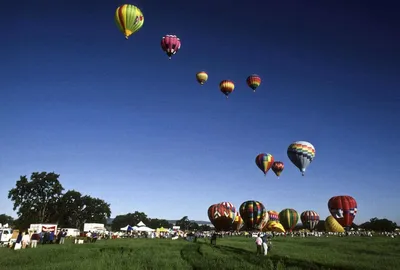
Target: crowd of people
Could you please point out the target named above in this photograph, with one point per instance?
(25, 240)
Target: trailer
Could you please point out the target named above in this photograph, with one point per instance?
(40, 227)
(94, 227)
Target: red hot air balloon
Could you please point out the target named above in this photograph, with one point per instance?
(170, 44)
(343, 209)
(277, 167)
(220, 217)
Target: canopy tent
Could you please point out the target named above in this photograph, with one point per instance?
(128, 228)
(162, 229)
(141, 224)
(145, 229)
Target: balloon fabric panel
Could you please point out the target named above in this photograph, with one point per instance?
(288, 218)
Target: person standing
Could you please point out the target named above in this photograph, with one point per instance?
(259, 244)
(34, 239)
(25, 240)
(265, 244)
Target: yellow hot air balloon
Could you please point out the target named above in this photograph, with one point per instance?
(274, 226)
(331, 225)
(129, 19)
(202, 77)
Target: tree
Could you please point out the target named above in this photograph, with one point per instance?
(36, 200)
(184, 223)
(193, 226)
(155, 223)
(5, 219)
(94, 210)
(380, 225)
(70, 209)
(129, 219)
(204, 228)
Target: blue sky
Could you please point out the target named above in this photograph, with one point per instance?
(119, 121)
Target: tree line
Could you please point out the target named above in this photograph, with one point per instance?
(42, 199)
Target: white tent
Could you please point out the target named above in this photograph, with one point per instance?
(145, 229)
(141, 224)
(125, 228)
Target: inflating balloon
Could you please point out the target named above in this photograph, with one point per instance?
(129, 19)
(264, 162)
(273, 215)
(331, 225)
(170, 44)
(310, 219)
(220, 217)
(301, 154)
(274, 226)
(253, 213)
(343, 209)
(288, 218)
(238, 223)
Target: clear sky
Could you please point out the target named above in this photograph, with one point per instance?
(119, 121)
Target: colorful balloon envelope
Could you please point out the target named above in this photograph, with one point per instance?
(301, 154)
(129, 19)
(201, 77)
(274, 226)
(331, 225)
(220, 217)
(273, 215)
(277, 167)
(238, 223)
(264, 162)
(253, 81)
(229, 206)
(253, 213)
(343, 209)
(170, 44)
(288, 218)
(310, 219)
(226, 87)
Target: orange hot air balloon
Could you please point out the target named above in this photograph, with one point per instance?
(226, 87)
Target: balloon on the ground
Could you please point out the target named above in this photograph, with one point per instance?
(274, 226)
(301, 154)
(253, 81)
(310, 219)
(226, 87)
(201, 77)
(238, 223)
(273, 215)
(331, 225)
(288, 218)
(129, 19)
(170, 44)
(264, 162)
(231, 208)
(277, 167)
(343, 209)
(253, 213)
(220, 217)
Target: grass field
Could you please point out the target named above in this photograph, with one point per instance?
(231, 253)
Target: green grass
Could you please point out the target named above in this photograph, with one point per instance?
(231, 253)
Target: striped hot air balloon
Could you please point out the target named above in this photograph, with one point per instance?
(273, 215)
(226, 87)
(253, 213)
(288, 218)
(129, 19)
(264, 162)
(301, 154)
(310, 219)
(253, 81)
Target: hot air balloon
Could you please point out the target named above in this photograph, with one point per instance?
(277, 167)
(201, 77)
(253, 81)
(288, 218)
(129, 19)
(238, 223)
(220, 217)
(170, 44)
(301, 154)
(274, 226)
(229, 206)
(226, 87)
(273, 215)
(252, 213)
(309, 219)
(343, 209)
(264, 162)
(331, 225)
